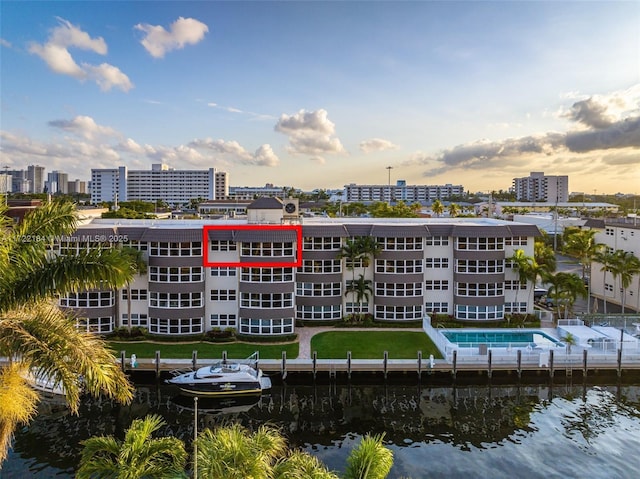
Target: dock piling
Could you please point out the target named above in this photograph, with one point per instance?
(519, 360)
(455, 363)
(157, 364)
(489, 357)
(283, 368)
(419, 363)
(123, 355)
(551, 363)
(315, 363)
(385, 363)
(194, 359)
(620, 361)
(349, 364)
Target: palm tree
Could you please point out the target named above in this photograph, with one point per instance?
(544, 256)
(606, 258)
(232, 452)
(582, 245)
(369, 248)
(524, 266)
(360, 288)
(34, 332)
(454, 210)
(139, 455)
(625, 265)
(565, 289)
(437, 207)
(370, 460)
(569, 340)
(299, 464)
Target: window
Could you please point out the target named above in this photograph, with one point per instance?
(609, 231)
(175, 326)
(223, 271)
(328, 243)
(479, 289)
(436, 307)
(266, 275)
(319, 312)
(318, 289)
(399, 266)
(136, 320)
(321, 266)
(400, 244)
(266, 300)
(479, 266)
(185, 274)
(480, 244)
(437, 262)
(175, 249)
(91, 299)
(513, 285)
(355, 263)
(224, 321)
(437, 284)
(266, 326)
(520, 307)
(223, 295)
(351, 308)
(175, 300)
(223, 245)
(139, 245)
(100, 325)
(267, 249)
(398, 289)
(516, 241)
(608, 287)
(136, 295)
(437, 241)
(479, 313)
(398, 312)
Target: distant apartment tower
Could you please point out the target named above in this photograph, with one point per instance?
(252, 192)
(35, 175)
(19, 181)
(539, 187)
(5, 183)
(161, 183)
(401, 191)
(77, 187)
(57, 183)
(222, 185)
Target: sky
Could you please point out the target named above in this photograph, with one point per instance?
(324, 94)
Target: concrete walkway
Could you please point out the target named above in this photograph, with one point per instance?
(305, 334)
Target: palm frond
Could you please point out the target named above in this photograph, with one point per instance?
(302, 465)
(18, 403)
(370, 459)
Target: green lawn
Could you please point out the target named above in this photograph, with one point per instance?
(372, 344)
(205, 350)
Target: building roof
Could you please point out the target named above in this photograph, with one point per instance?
(266, 203)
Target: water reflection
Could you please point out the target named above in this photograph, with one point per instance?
(468, 419)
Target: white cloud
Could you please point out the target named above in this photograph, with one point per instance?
(264, 155)
(85, 127)
(184, 31)
(309, 132)
(318, 159)
(5, 43)
(230, 109)
(377, 144)
(55, 53)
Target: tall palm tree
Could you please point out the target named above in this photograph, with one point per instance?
(232, 452)
(361, 289)
(524, 267)
(369, 249)
(370, 460)
(625, 265)
(437, 207)
(606, 259)
(565, 288)
(34, 332)
(544, 256)
(139, 455)
(454, 210)
(582, 245)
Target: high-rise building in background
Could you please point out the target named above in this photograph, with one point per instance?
(77, 187)
(161, 183)
(401, 192)
(35, 175)
(57, 183)
(540, 187)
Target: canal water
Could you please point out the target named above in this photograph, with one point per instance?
(489, 431)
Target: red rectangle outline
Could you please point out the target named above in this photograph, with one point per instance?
(205, 243)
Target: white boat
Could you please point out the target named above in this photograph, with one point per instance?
(44, 383)
(225, 378)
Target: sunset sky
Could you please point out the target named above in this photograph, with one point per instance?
(323, 94)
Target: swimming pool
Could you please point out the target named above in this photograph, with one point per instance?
(500, 339)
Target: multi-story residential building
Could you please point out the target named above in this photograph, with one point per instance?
(5, 183)
(203, 278)
(400, 192)
(19, 181)
(239, 193)
(77, 187)
(175, 187)
(35, 175)
(222, 185)
(616, 234)
(540, 187)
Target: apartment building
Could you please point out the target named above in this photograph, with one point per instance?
(400, 192)
(35, 175)
(456, 266)
(540, 187)
(175, 187)
(616, 234)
